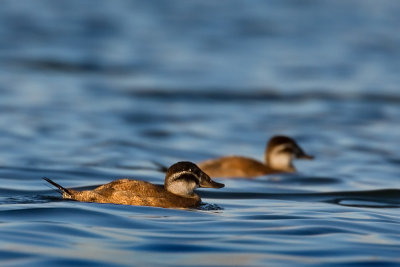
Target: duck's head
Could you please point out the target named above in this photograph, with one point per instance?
(184, 176)
(280, 152)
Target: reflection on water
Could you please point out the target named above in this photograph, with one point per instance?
(94, 92)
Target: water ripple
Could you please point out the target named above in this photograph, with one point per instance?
(93, 93)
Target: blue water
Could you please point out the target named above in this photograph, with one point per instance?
(91, 91)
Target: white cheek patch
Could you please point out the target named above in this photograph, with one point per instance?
(280, 160)
(182, 187)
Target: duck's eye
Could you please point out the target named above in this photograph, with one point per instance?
(286, 150)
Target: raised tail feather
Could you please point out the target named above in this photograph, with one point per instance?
(160, 167)
(62, 189)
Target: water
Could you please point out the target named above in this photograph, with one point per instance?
(98, 90)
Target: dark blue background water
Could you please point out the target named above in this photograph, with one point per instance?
(91, 91)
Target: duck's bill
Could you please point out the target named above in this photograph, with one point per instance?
(211, 184)
(305, 156)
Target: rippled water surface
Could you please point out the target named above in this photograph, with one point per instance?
(91, 91)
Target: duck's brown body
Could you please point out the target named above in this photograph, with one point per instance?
(234, 167)
(280, 152)
(134, 192)
(181, 179)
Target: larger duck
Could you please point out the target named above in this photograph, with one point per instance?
(279, 154)
(178, 191)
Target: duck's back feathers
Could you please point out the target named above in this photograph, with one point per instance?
(134, 192)
(234, 166)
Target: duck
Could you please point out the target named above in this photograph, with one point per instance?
(181, 179)
(279, 155)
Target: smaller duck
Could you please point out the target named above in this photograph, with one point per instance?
(178, 191)
(279, 154)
